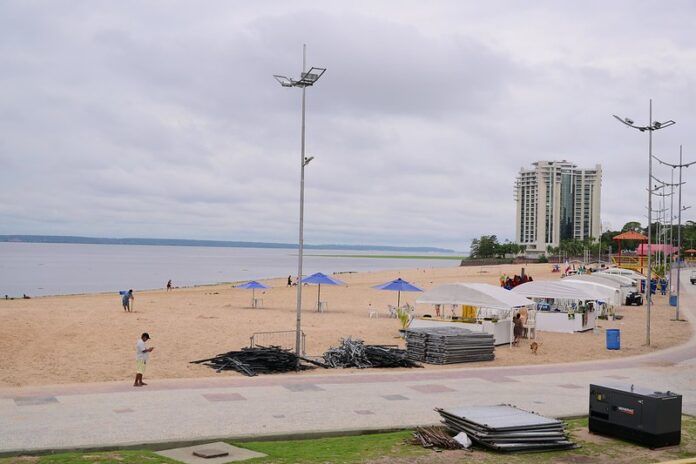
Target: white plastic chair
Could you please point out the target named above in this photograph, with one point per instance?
(530, 325)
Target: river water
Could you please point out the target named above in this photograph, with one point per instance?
(38, 269)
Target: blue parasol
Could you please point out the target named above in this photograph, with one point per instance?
(398, 285)
(253, 285)
(319, 279)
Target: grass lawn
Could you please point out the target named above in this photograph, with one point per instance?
(391, 448)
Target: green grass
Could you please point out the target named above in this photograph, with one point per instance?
(391, 448)
(105, 457)
(339, 450)
(335, 450)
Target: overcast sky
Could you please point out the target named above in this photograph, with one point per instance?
(162, 118)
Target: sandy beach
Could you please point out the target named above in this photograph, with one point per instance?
(89, 338)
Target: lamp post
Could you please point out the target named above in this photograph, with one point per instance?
(307, 79)
(671, 219)
(651, 127)
(681, 208)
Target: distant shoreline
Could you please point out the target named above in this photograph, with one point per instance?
(456, 258)
(78, 240)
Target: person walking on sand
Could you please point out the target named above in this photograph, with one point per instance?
(127, 300)
(289, 281)
(142, 353)
(169, 284)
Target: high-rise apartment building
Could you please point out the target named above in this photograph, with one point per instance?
(557, 201)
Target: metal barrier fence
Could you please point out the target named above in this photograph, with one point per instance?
(284, 339)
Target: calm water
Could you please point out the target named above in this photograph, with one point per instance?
(56, 269)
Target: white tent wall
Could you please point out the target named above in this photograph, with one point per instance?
(607, 293)
(624, 281)
(563, 293)
(489, 299)
(556, 290)
(605, 281)
(472, 294)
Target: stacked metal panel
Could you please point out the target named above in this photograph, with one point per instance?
(448, 345)
(507, 428)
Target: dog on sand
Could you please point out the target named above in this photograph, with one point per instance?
(534, 346)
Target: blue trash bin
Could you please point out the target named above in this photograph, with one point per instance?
(613, 339)
(673, 300)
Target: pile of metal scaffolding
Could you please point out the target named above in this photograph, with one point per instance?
(507, 428)
(354, 353)
(253, 361)
(448, 345)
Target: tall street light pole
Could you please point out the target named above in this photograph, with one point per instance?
(681, 165)
(671, 223)
(307, 79)
(652, 126)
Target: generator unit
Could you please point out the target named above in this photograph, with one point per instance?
(640, 415)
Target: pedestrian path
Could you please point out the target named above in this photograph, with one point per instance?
(114, 414)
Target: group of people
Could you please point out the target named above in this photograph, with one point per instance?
(662, 284)
(508, 283)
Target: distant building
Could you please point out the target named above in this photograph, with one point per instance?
(556, 201)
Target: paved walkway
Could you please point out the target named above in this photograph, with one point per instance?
(117, 415)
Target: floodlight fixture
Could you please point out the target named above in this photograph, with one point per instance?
(283, 80)
(308, 159)
(656, 125)
(307, 79)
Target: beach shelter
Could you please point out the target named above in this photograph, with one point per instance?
(320, 279)
(253, 285)
(478, 295)
(610, 294)
(623, 284)
(472, 294)
(399, 285)
(630, 262)
(623, 280)
(555, 289)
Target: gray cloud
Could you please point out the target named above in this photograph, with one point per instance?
(162, 119)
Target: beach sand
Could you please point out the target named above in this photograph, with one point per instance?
(89, 338)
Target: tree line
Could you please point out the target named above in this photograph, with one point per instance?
(488, 246)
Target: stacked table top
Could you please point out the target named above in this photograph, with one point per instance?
(448, 345)
(507, 428)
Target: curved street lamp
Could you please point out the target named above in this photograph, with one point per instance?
(651, 127)
(307, 79)
(681, 208)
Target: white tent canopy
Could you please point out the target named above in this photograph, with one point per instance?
(608, 294)
(624, 272)
(595, 279)
(623, 280)
(626, 280)
(479, 295)
(556, 289)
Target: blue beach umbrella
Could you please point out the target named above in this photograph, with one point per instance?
(399, 285)
(253, 285)
(319, 279)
